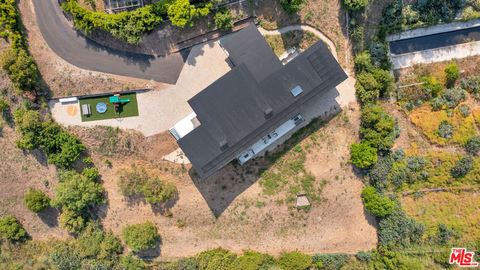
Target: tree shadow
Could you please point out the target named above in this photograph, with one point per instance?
(49, 216)
(224, 186)
(152, 253)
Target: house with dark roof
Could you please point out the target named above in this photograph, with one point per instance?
(258, 102)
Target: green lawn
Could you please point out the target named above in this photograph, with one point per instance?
(127, 110)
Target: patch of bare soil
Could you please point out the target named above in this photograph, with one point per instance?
(230, 209)
(62, 78)
(325, 15)
(20, 171)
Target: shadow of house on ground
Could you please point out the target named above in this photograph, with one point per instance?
(222, 188)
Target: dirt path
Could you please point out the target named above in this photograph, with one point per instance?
(302, 27)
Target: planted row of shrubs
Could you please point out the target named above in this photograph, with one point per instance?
(131, 25)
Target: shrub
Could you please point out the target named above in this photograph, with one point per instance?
(61, 148)
(91, 174)
(386, 81)
(431, 86)
(363, 256)
(377, 204)
(363, 155)
(182, 13)
(472, 146)
(4, 106)
(291, 6)
(36, 201)
(294, 261)
(462, 167)
(330, 261)
(464, 110)
(72, 222)
(355, 5)
(378, 129)
(216, 259)
(471, 85)
(398, 230)
(130, 262)
(379, 173)
(363, 62)
(453, 96)
(445, 130)
(252, 260)
(136, 181)
(11, 229)
(78, 193)
(93, 242)
(445, 234)
(367, 88)
(223, 20)
(128, 26)
(141, 237)
(65, 256)
(452, 72)
(21, 69)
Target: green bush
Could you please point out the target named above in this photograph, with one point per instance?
(445, 234)
(78, 193)
(292, 6)
(223, 20)
(91, 173)
(378, 128)
(377, 204)
(431, 86)
(453, 96)
(363, 62)
(452, 73)
(362, 155)
(294, 261)
(11, 229)
(36, 201)
(4, 106)
(445, 130)
(462, 167)
(367, 88)
(21, 69)
(136, 181)
(93, 242)
(130, 262)
(397, 230)
(464, 110)
(355, 5)
(72, 222)
(140, 237)
(216, 259)
(472, 146)
(182, 13)
(252, 260)
(61, 148)
(330, 261)
(128, 26)
(65, 257)
(385, 80)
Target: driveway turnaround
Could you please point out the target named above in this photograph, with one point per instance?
(84, 53)
(435, 41)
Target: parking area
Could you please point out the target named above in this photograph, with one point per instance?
(159, 109)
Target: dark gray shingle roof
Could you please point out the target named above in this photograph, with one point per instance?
(232, 110)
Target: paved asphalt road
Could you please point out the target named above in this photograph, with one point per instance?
(435, 41)
(84, 53)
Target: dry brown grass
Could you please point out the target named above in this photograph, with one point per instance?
(295, 39)
(428, 121)
(459, 211)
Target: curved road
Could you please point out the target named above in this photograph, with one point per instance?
(82, 52)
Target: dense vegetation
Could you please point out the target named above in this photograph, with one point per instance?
(140, 237)
(131, 25)
(11, 229)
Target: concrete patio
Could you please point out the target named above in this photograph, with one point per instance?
(159, 109)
